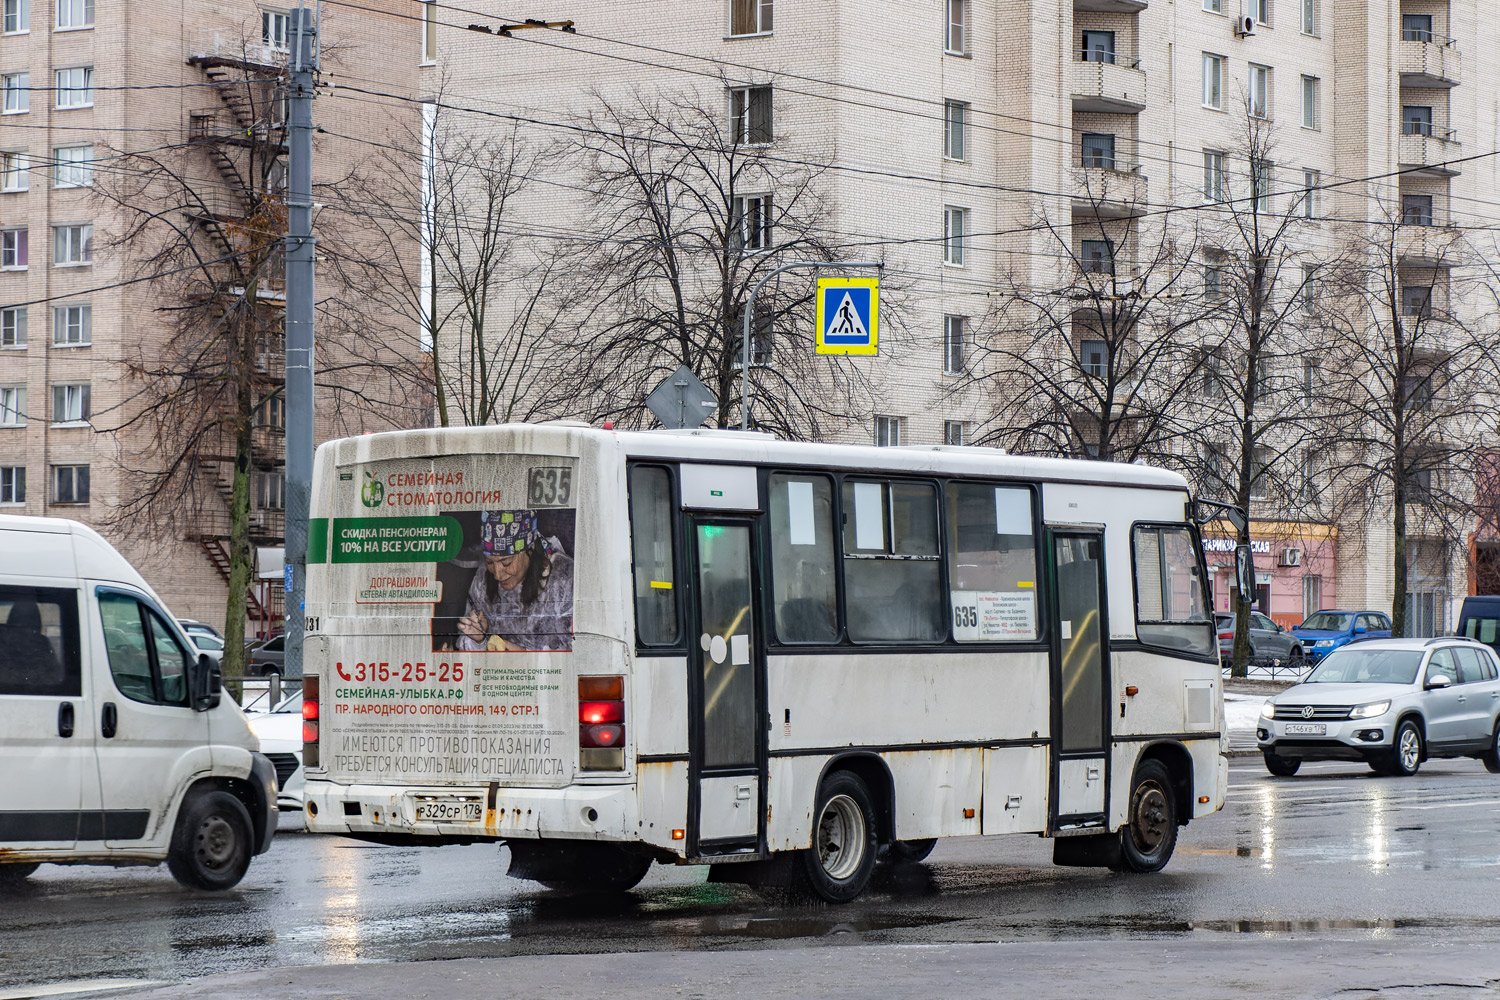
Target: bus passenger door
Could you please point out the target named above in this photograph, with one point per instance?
(1080, 679)
(728, 732)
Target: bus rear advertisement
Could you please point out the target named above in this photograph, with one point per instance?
(786, 660)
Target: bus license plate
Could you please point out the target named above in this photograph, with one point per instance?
(450, 811)
(1307, 729)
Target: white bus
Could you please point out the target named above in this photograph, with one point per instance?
(780, 659)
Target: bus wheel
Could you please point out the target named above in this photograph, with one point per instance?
(838, 866)
(909, 852)
(1150, 834)
(15, 873)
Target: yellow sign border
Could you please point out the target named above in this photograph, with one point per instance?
(873, 284)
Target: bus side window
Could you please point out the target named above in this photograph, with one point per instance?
(991, 563)
(802, 570)
(891, 571)
(653, 555)
(1170, 608)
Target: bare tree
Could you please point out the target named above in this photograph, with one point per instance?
(688, 211)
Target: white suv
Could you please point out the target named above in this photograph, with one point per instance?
(1392, 703)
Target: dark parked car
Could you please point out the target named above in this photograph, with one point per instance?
(267, 658)
(1479, 618)
(1270, 644)
(1325, 631)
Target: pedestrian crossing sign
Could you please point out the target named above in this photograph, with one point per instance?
(848, 316)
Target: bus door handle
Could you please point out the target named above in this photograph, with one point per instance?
(109, 720)
(65, 720)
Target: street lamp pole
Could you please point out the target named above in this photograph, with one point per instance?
(750, 312)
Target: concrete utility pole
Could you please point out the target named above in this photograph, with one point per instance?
(300, 251)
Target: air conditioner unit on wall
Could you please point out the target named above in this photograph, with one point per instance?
(1244, 25)
(1290, 557)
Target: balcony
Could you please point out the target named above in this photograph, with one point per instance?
(1109, 6)
(1425, 150)
(1428, 60)
(1427, 245)
(1111, 189)
(1108, 87)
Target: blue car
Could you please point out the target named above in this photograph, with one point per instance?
(1326, 631)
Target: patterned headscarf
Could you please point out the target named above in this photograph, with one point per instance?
(508, 532)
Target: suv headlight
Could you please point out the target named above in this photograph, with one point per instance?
(1370, 711)
(1268, 710)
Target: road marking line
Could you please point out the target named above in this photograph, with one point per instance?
(77, 986)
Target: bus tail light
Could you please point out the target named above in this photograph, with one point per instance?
(310, 721)
(601, 723)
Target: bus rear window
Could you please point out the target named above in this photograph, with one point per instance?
(653, 554)
(1171, 609)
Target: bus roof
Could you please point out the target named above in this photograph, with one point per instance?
(740, 447)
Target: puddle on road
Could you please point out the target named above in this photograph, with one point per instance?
(817, 925)
(1260, 926)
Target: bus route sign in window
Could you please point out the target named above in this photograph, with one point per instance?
(1171, 608)
(651, 512)
(892, 577)
(802, 558)
(991, 563)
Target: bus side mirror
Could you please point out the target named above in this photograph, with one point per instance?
(207, 684)
(1244, 571)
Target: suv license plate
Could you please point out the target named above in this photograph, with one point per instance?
(450, 811)
(1307, 729)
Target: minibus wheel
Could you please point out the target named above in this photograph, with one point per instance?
(16, 872)
(838, 866)
(212, 844)
(1150, 832)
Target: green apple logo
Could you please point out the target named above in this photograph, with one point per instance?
(372, 492)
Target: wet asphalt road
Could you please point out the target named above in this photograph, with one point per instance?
(1335, 853)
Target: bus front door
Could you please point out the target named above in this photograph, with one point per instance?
(1080, 680)
(728, 736)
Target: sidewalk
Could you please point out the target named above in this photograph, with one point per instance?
(1242, 700)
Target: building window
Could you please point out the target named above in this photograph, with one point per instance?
(1416, 119)
(1213, 280)
(956, 37)
(955, 225)
(272, 414)
(72, 245)
(15, 174)
(1261, 174)
(1309, 379)
(75, 87)
(1416, 301)
(74, 166)
(887, 432)
(429, 32)
(72, 326)
(1213, 175)
(274, 33)
(1308, 292)
(12, 406)
(1310, 17)
(1260, 472)
(70, 484)
(70, 404)
(1416, 27)
(1311, 181)
(1097, 257)
(1311, 98)
(1416, 209)
(1098, 150)
(1214, 6)
(270, 490)
(13, 328)
(751, 224)
(750, 115)
(1093, 358)
(17, 16)
(16, 90)
(955, 345)
(1213, 82)
(1312, 595)
(955, 127)
(75, 13)
(1098, 46)
(750, 17)
(13, 250)
(1260, 10)
(1258, 98)
(955, 432)
(12, 484)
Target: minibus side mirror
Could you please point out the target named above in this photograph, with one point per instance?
(208, 684)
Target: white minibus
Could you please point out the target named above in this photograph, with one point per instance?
(782, 659)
